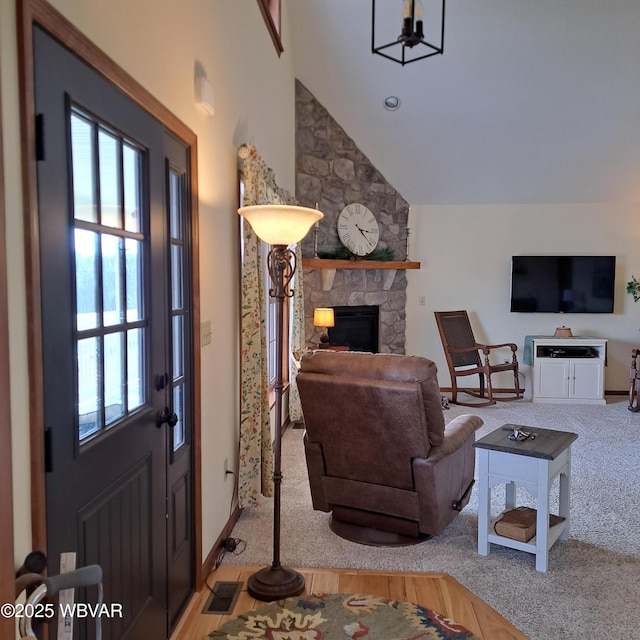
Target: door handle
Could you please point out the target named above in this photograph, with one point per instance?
(167, 416)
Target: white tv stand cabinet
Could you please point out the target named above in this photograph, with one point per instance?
(569, 370)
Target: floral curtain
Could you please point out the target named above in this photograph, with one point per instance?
(255, 467)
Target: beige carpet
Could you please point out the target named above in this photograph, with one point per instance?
(592, 588)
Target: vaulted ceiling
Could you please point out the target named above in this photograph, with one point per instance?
(533, 101)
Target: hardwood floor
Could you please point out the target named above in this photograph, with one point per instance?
(437, 591)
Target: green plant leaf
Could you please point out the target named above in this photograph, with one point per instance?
(381, 255)
(633, 288)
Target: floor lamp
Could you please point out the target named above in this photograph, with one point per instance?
(279, 226)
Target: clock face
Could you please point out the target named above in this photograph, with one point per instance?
(358, 229)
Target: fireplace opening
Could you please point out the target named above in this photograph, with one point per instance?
(356, 328)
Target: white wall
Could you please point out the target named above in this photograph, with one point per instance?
(466, 252)
(160, 43)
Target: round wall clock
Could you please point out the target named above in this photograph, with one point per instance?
(358, 229)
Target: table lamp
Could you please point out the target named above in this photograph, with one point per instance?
(323, 317)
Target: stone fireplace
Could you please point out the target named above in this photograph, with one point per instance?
(332, 172)
(359, 288)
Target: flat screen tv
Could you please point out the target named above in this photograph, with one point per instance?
(562, 284)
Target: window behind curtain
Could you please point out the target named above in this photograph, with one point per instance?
(269, 302)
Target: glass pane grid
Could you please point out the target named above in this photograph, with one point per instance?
(111, 327)
(179, 331)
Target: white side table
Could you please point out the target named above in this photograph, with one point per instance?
(532, 464)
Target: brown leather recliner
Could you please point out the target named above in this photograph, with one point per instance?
(379, 456)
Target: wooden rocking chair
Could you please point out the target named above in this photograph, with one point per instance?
(467, 357)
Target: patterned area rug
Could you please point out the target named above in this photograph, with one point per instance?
(342, 615)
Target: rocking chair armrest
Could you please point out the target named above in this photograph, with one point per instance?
(475, 347)
(511, 345)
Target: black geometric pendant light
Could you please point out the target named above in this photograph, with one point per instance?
(411, 45)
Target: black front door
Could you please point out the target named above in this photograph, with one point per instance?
(117, 379)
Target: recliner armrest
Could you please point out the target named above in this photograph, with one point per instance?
(442, 479)
(456, 433)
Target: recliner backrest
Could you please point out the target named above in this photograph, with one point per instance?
(384, 409)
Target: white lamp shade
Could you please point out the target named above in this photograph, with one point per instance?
(323, 317)
(279, 223)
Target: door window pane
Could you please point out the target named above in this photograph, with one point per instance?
(175, 206)
(89, 387)
(82, 160)
(112, 286)
(178, 408)
(113, 376)
(271, 331)
(178, 347)
(131, 162)
(109, 162)
(135, 368)
(133, 268)
(86, 258)
(176, 277)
